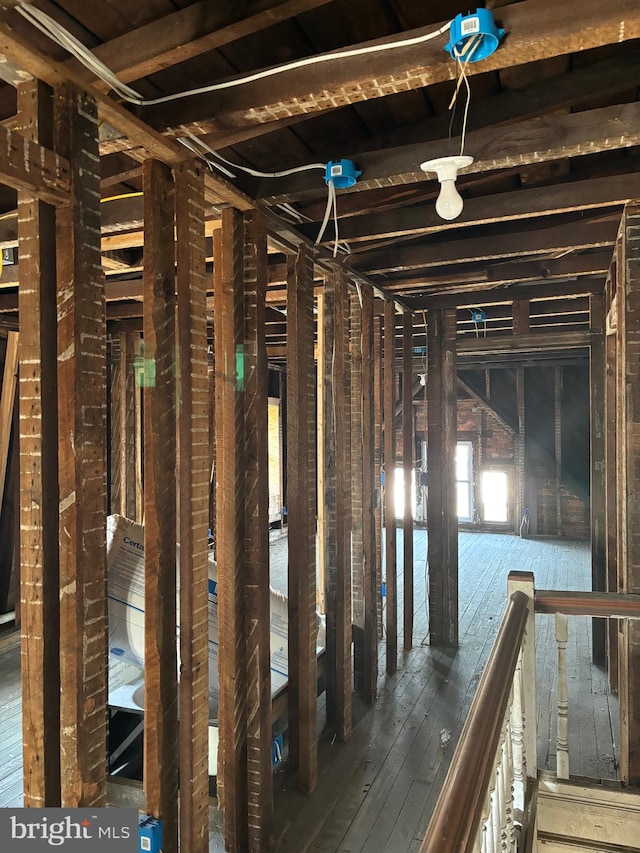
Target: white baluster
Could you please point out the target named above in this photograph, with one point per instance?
(562, 743)
(507, 775)
(496, 807)
(517, 738)
(483, 836)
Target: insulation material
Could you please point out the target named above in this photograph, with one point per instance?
(125, 566)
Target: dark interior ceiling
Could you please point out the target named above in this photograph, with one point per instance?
(553, 126)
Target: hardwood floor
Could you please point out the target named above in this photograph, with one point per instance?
(376, 792)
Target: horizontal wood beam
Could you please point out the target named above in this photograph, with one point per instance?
(463, 281)
(577, 86)
(191, 32)
(534, 342)
(523, 203)
(43, 67)
(25, 165)
(537, 140)
(562, 238)
(536, 30)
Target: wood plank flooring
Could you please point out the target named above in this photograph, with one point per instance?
(376, 792)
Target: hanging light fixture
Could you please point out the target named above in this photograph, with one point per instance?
(449, 204)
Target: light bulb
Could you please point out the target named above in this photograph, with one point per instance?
(449, 203)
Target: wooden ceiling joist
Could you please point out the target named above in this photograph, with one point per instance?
(562, 238)
(536, 141)
(536, 30)
(484, 210)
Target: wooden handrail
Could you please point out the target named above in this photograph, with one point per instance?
(605, 604)
(454, 825)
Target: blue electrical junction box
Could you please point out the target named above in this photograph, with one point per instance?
(149, 834)
(475, 34)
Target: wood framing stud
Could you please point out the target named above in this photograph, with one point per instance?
(407, 466)
(389, 416)
(39, 573)
(369, 480)
(301, 505)
(628, 409)
(442, 516)
(193, 519)
(597, 455)
(229, 327)
(159, 398)
(342, 415)
(82, 463)
(256, 575)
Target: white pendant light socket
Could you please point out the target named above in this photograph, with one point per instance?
(449, 204)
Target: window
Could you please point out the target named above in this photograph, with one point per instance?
(494, 496)
(464, 457)
(398, 491)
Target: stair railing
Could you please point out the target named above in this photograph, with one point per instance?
(486, 796)
(484, 793)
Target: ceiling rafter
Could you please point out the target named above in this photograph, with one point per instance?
(536, 29)
(537, 140)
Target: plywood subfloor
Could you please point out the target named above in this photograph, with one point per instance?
(376, 792)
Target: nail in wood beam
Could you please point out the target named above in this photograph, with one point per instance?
(230, 528)
(389, 407)
(159, 399)
(193, 521)
(370, 472)
(597, 455)
(356, 405)
(82, 463)
(301, 506)
(342, 415)
(407, 463)
(256, 579)
(442, 518)
(628, 300)
(39, 572)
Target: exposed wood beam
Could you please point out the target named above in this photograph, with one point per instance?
(256, 564)
(26, 165)
(191, 32)
(38, 424)
(562, 238)
(301, 479)
(536, 140)
(369, 481)
(487, 404)
(519, 204)
(341, 583)
(574, 87)
(536, 30)
(193, 520)
(408, 451)
(389, 440)
(82, 425)
(41, 66)
(534, 342)
(159, 398)
(231, 469)
(441, 499)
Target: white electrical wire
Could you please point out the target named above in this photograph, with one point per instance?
(463, 58)
(57, 33)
